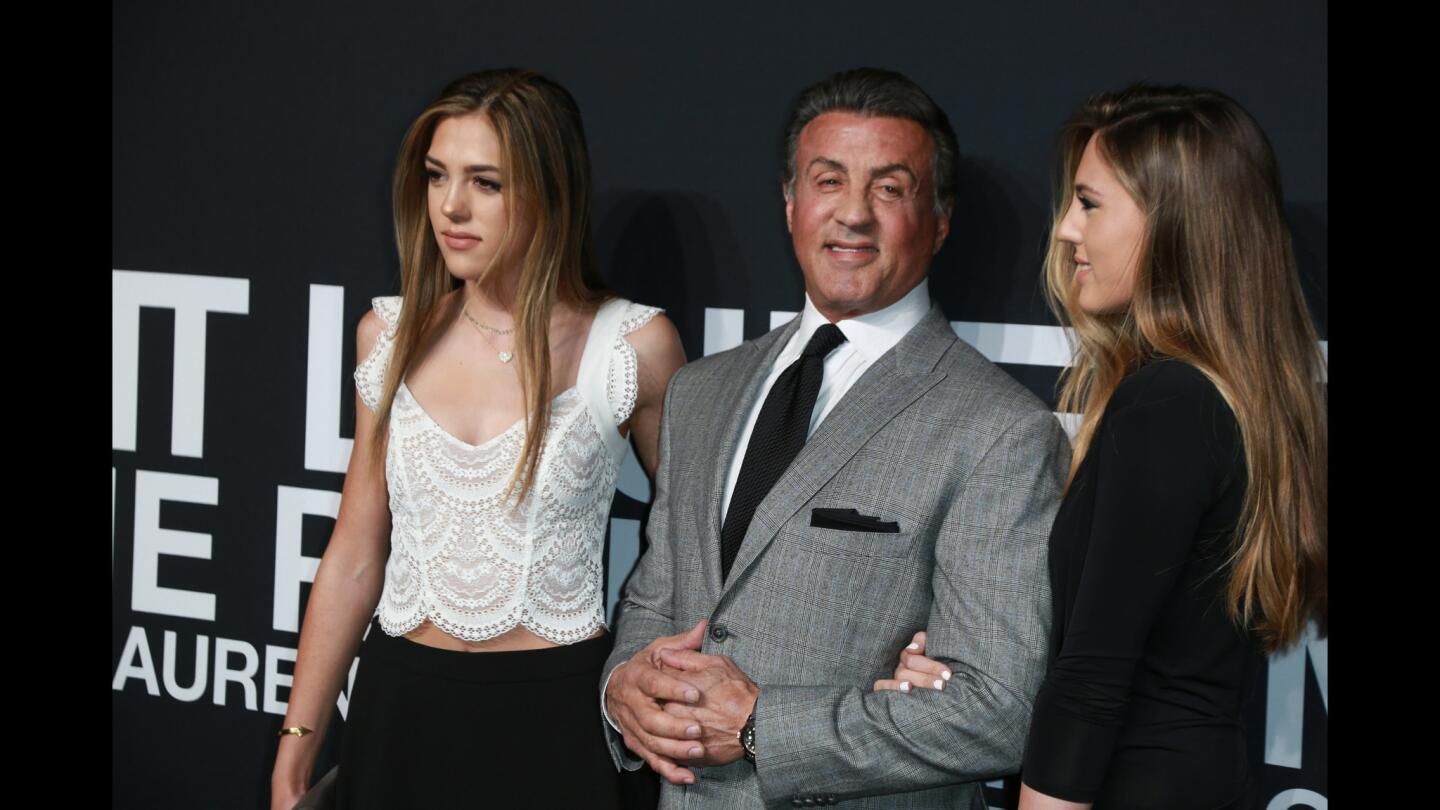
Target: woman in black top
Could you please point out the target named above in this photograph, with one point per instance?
(1192, 537)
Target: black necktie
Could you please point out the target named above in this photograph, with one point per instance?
(780, 432)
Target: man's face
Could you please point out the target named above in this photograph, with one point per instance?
(862, 215)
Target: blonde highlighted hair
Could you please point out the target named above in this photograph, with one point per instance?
(547, 165)
(1216, 286)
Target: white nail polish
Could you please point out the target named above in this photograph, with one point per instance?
(904, 686)
(913, 646)
(939, 684)
(945, 674)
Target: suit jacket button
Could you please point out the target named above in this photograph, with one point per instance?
(809, 801)
(795, 802)
(718, 632)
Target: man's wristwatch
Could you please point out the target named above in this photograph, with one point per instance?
(747, 738)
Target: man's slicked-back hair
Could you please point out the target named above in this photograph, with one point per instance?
(875, 92)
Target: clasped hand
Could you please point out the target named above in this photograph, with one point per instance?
(676, 705)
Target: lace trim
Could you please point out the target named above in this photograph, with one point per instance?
(370, 373)
(622, 386)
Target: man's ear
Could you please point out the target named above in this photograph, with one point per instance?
(942, 230)
(785, 191)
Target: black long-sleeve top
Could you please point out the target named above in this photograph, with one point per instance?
(1141, 704)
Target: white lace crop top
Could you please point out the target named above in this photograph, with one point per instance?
(458, 555)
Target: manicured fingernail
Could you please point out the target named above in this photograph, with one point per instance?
(689, 780)
(692, 731)
(945, 674)
(695, 751)
(939, 684)
(691, 695)
(913, 646)
(904, 686)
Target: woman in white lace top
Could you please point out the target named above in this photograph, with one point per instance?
(495, 398)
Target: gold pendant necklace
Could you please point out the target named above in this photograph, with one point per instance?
(505, 357)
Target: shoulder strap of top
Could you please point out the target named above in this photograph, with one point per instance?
(595, 360)
(370, 372)
(608, 367)
(621, 385)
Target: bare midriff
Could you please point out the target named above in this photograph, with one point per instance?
(516, 638)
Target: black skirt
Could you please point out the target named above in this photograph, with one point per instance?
(432, 728)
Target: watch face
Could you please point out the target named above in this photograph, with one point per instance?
(747, 738)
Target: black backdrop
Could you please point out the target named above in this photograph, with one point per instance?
(252, 149)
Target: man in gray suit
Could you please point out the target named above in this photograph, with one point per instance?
(829, 489)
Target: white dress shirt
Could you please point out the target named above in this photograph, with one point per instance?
(866, 338)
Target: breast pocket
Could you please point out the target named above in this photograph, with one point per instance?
(861, 544)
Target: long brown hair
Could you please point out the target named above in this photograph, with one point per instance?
(1216, 287)
(542, 144)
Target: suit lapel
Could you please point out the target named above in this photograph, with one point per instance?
(895, 380)
(739, 389)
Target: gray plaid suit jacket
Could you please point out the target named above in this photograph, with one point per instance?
(970, 464)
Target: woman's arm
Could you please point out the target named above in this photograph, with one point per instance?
(658, 354)
(1032, 799)
(342, 600)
